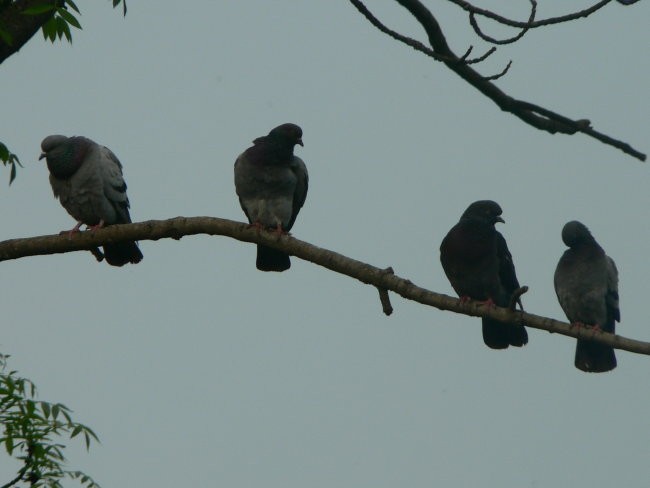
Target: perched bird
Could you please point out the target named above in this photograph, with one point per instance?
(272, 186)
(479, 266)
(87, 179)
(586, 284)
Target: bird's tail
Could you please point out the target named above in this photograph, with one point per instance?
(120, 253)
(498, 335)
(269, 259)
(593, 357)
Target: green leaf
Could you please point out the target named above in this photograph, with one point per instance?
(9, 445)
(49, 30)
(123, 2)
(12, 173)
(63, 29)
(90, 431)
(66, 415)
(55, 411)
(45, 407)
(4, 153)
(68, 35)
(69, 18)
(76, 431)
(39, 9)
(73, 6)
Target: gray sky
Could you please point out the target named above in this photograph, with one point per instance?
(195, 369)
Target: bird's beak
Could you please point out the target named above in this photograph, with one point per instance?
(299, 141)
(499, 219)
(42, 156)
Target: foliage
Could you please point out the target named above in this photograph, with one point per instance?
(58, 26)
(64, 15)
(7, 157)
(31, 433)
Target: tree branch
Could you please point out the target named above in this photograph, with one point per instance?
(20, 27)
(382, 279)
(534, 115)
(473, 10)
(485, 37)
(20, 477)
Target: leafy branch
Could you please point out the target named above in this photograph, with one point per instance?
(383, 279)
(9, 158)
(19, 21)
(30, 430)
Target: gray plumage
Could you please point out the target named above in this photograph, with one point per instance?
(586, 284)
(87, 179)
(272, 184)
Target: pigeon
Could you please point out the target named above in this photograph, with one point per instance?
(87, 179)
(586, 284)
(271, 184)
(478, 264)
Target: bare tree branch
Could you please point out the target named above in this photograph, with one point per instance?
(485, 37)
(473, 10)
(499, 75)
(417, 45)
(178, 227)
(534, 115)
(488, 53)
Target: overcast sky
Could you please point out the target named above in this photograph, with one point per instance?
(195, 369)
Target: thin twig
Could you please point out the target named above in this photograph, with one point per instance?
(472, 9)
(516, 298)
(488, 53)
(499, 75)
(417, 45)
(485, 37)
(386, 306)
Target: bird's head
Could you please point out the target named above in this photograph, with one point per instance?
(575, 233)
(51, 143)
(484, 210)
(289, 134)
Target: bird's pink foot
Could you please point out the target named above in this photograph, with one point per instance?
(72, 231)
(588, 330)
(93, 228)
(579, 325)
(256, 225)
(465, 299)
(489, 303)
